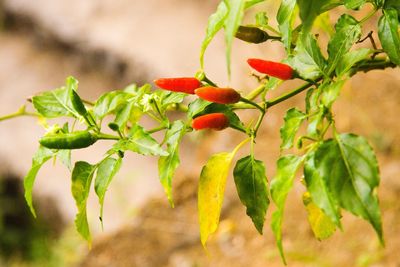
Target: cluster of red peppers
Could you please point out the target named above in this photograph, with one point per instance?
(219, 121)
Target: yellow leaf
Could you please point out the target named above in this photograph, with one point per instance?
(211, 192)
(322, 226)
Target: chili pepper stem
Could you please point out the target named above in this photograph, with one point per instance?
(90, 103)
(205, 79)
(252, 103)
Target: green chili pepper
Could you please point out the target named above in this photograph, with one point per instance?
(78, 104)
(74, 140)
(252, 34)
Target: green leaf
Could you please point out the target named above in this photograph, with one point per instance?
(310, 9)
(388, 26)
(348, 166)
(308, 60)
(196, 107)
(55, 103)
(391, 4)
(354, 4)
(252, 187)
(330, 92)
(141, 142)
(379, 3)
(168, 164)
(128, 113)
(282, 183)
(232, 22)
(262, 19)
(41, 156)
(82, 175)
(350, 59)
(64, 155)
(319, 190)
(250, 3)
(110, 102)
(323, 22)
(293, 120)
(321, 225)
(211, 193)
(215, 23)
(348, 31)
(285, 18)
(170, 98)
(234, 120)
(106, 171)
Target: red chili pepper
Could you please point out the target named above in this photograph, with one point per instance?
(215, 121)
(218, 95)
(183, 85)
(274, 69)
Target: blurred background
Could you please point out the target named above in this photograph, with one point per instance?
(108, 44)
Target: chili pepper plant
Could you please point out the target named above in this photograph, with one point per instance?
(339, 170)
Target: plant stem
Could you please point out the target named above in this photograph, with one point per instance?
(256, 92)
(242, 99)
(272, 29)
(258, 124)
(157, 129)
(108, 136)
(288, 95)
(18, 114)
(375, 64)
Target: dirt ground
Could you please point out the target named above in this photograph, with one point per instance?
(157, 235)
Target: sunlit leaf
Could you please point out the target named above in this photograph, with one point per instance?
(308, 60)
(106, 171)
(319, 190)
(232, 22)
(282, 183)
(168, 164)
(141, 142)
(348, 166)
(285, 18)
(350, 59)
(211, 193)
(354, 4)
(215, 23)
(64, 155)
(82, 175)
(388, 31)
(41, 156)
(293, 120)
(348, 31)
(330, 92)
(58, 102)
(321, 225)
(109, 103)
